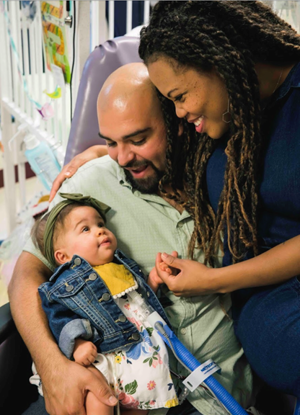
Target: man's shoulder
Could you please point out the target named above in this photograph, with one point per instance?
(99, 178)
(102, 171)
(104, 163)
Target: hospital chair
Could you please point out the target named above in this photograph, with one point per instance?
(16, 393)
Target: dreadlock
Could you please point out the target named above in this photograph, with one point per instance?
(228, 36)
(178, 155)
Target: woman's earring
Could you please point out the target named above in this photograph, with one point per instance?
(226, 116)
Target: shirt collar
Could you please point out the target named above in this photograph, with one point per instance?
(122, 177)
(291, 81)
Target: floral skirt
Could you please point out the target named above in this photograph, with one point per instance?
(140, 373)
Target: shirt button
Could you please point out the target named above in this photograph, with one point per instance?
(183, 331)
(122, 318)
(77, 261)
(69, 288)
(135, 336)
(148, 293)
(92, 276)
(105, 297)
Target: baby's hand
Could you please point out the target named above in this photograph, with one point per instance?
(165, 267)
(155, 276)
(85, 352)
(154, 280)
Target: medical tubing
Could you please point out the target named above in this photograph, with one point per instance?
(185, 356)
(192, 363)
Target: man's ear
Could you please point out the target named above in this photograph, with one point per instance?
(61, 256)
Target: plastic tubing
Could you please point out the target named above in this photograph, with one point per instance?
(186, 356)
(192, 363)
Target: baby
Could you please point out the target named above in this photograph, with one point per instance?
(92, 312)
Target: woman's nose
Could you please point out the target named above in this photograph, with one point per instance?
(180, 111)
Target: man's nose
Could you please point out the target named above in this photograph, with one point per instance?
(180, 111)
(125, 155)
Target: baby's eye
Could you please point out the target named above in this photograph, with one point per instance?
(85, 229)
(100, 225)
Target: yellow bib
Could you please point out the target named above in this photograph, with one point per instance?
(117, 278)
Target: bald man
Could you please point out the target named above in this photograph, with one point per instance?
(131, 122)
(137, 142)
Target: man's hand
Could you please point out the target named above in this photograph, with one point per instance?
(65, 390)
(192, 278)
(71, 168)
(85, 352)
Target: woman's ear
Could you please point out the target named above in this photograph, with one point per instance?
(61, 256)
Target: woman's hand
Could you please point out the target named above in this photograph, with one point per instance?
(192, 278)
(71, 168)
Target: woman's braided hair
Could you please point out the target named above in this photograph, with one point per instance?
(228, 36)
(178, 155)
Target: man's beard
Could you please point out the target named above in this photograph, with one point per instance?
(147, 185)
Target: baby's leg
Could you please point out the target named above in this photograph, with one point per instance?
(92, 405)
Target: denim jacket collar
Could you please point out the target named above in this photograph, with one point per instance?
(77, 260)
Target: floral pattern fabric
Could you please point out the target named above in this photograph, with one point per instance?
(140, 373)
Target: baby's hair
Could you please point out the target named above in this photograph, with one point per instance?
(37, 232)
(38, 229)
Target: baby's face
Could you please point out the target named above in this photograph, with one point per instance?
(85, 235)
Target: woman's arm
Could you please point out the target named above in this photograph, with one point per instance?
(272, 267)
(65, 383)
(71, 168)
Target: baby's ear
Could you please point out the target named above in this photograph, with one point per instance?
(61, 257)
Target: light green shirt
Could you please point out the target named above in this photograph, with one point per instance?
(145, 225)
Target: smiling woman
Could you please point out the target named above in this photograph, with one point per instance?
(232, 68)
(200, 98)
(200, 55)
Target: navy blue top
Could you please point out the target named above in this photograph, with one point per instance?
(279, 185)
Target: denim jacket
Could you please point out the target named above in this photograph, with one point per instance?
(78, 304)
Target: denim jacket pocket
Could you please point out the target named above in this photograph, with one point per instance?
(74, 292)
(69, 287)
